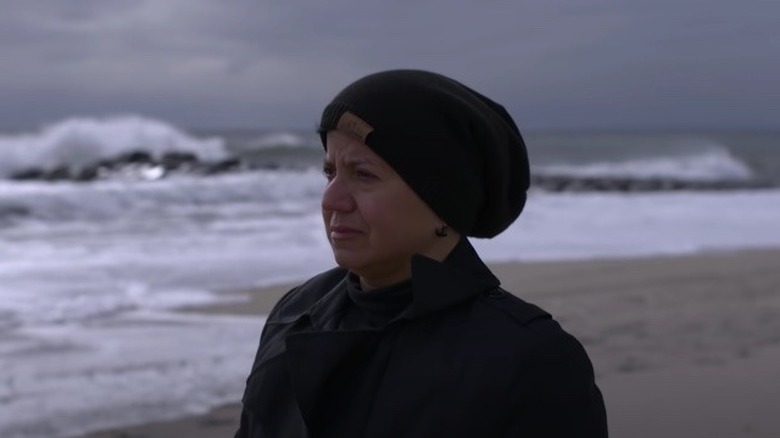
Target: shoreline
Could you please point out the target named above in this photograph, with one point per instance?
(683, 345)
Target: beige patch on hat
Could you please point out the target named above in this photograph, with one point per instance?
(354, 125)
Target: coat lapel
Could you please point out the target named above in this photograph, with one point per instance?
(316, 361)
(438, 285)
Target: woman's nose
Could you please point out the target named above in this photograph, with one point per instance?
(337, 196)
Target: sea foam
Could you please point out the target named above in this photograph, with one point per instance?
(710, 165)
(77, 142)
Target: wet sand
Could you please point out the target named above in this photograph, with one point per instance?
(683, 346)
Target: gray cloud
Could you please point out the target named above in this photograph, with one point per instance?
(568, 64)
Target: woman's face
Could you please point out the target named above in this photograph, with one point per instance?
(373, 219)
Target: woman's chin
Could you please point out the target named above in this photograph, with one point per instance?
(347, 259)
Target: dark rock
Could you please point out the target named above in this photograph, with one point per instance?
(227, 165)
(134, 157)
(28, 174)
(270, 166)
(176, 160)
(106, 163)
(60, 173)
(87, 174)
(560, 183)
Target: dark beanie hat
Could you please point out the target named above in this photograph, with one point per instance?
(458, 150)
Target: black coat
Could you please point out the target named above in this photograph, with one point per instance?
(465, 359)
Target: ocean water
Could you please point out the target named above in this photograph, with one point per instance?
(91, 273)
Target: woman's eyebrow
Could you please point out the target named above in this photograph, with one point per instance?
(350, 162)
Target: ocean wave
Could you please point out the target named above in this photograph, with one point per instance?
(78, 142)
(278, 140)
(716, 164)
(187, 195)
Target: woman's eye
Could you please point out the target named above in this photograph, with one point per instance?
(363, 174)
(328, 172)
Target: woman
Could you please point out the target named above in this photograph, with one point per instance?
(411, 336)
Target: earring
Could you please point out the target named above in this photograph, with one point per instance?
(442, 231)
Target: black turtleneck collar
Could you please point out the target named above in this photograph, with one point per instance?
(434, 286)
(383, 299)
(374, 308)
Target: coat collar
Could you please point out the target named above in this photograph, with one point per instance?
(435, 286)
(438, 285)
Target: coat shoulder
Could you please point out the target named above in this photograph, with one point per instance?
(556, 388)
(517, 310)
(519, 319)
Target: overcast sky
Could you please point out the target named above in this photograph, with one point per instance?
(264, 64)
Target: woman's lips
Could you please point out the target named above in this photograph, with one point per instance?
(341, 232)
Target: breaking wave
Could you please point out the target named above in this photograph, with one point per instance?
(709, 165)
(260, 192)
(77, 142)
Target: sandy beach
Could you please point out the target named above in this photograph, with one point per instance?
(683, 346)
